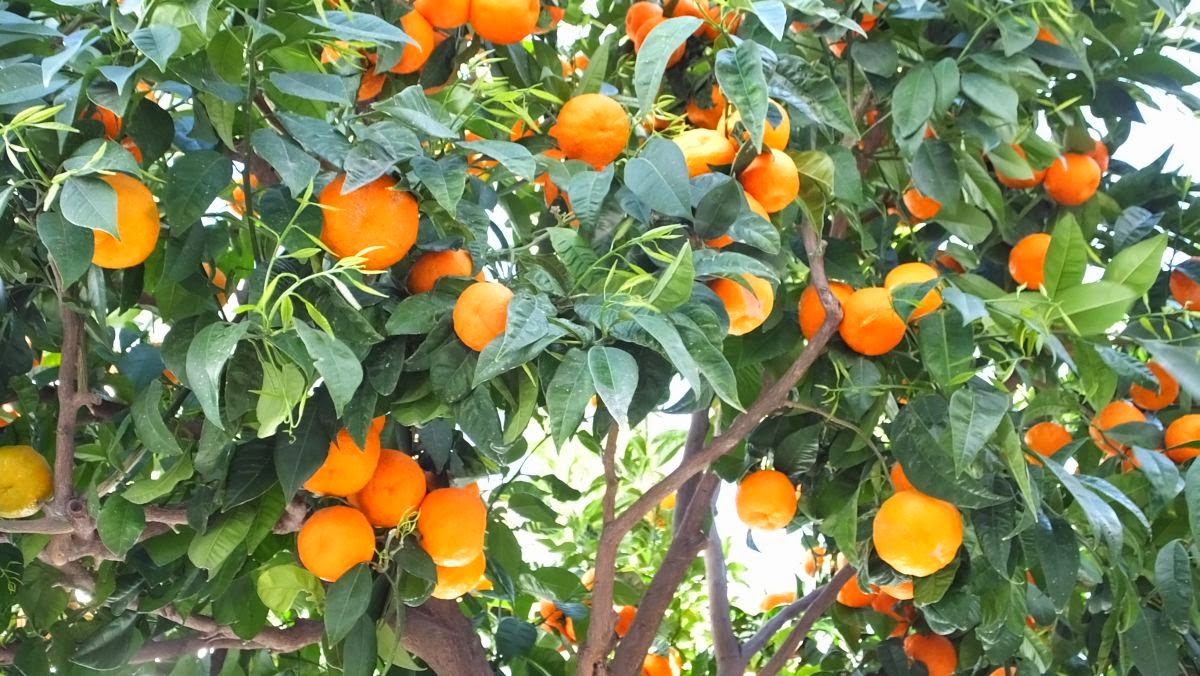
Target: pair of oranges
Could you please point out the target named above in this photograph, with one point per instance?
(1070, 180)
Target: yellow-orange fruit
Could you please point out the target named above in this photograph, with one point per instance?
(812, 313)
(414, 56)
(375, 216)
(917, 534)
(1154, 400)
(504, 22)
(915, 273)
(394, 491)
(334, 540)
(452, 524)
(747, 308)
(481, 313)
(766, 499)
(456, 581)
(870, 325)
(1046, 438)
(592, 128)
(347, 468)
(1027, 260)
(1116, 413)
(137, 226)
(772, 179)
(1072, 179)
(704, 149)
(1181, 438)
(433, 265)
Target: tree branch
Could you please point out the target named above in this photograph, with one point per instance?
(603, 620)
(438, 633)
(725, 644)
(820, 603)
(69, 402)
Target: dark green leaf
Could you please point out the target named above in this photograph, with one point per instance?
(656, 50)
(193, 181)
(740, 75)
(120, 524)
(1173, 576)
(295, 167)
(947, 347)
(112, 646)
(936, 173)
(347, 601)
(567, 395)
(158, 41)
(1138, 266)
(974, 417)
(68, 244)
(206, 357)
(912, 101)
(335, 361)
(210, 549)
(659, 178)
(149, 424)
(314, 86)
(89, 203)
(615, 376)
(1066, 259)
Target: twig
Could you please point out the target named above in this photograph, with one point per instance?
(47, 525)
(815, 610)
(603, 620)
(725, 644)
(69, 402)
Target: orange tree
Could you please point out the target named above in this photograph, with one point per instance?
(292, 295)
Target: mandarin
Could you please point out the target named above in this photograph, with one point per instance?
(444, 13)
(851, 595)
(1154, 400)
(433, 265)
(812, 312)
(899, 479)
(1072, 179)
(1184, 289)
(747, 308)
(937, 653)
(1027, 260)
(137, 226)
(394, 491)
(777, 128)
(921, 208)
(917, 534)
(333, 540)
(25, 481)
(1046, 438)
(414, 56)
(347, 468)
(704, 149)
(772, 179)
(1181, 437)
(870, 325)
(481, 313)
(766, 499)
(593, 128)
(452, 523)
(504, 22)
(1115, 413)
(707, 117)
(916, 274)
(456, 581)
(1020, 183)
(375, 216)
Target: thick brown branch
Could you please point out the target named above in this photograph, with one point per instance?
(820, 603)
(603, 620)
(725, 644)
(69, 402)
(440, 634)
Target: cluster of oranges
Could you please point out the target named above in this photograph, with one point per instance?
(642, 17)
(386, 489)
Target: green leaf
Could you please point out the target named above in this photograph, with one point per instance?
(120, 524)
(143, 491)
(295, 167)
(446, 178)
(717, 202)
(279, 585)
(974, 417)
(615, 376)
(193, 181)
(314, 86)
(1173, 577)
(112, 646)
(22, 82)
(283, 388)
(479, 419)
(158, 41)
(210, 549)
(360, 652)
(1099, 514)
(206, 358)
(652, 58)
(674, 285)
(709, 358)
(912, 101)
(1093, 308)
(593, 75)
(1066, 259)
(359, 26)
(335, 361)
(69, 245)
(965, 221)
(665, 334)
(567, 396)
(946, 79)
(947, 347)
(1006, 161)
(1148, 643)
(921, 441)
(299, 454)
(1057, 551)
(420, 313)
(1138, 266)
(587, 191)
(936, 173)
(250, 474)
(89, 203)
(659, 178)
(347, 602)
(993, 95)
(514, 637)
(512, 156)
(149, 424)
(740, 75)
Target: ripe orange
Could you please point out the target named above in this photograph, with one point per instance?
(710, 14)
(1116, 413)
(452, 524)
(1018, 183)
(334, 540)
(722, 241)
(773, 601)
(1027, 260)
(899, 478)
(667, 503)
(504, 22)
(1184, 431)
(556, 620)
(481, 313)
(1153, 400)
(1044, 35)
(709, 117)
(777, 130)
(814, 560)
(915, 273)
(1099, 152)
(766, 499)
(417, 27)
(375, 216)
(394, 491)
(902, 591)
(1004, 671)
(132, 147)
(456, 581)
(110, 120)
(1185, 290)
(444, 13)
(747, 308)
(773, 180)
(937, 653)
(637, 14)
(948, 263)
(657, 665)
(25, 481)
(704, 149)
(347, 468)
(433, 265)
(1046, 438)
(644, 30)
(921, 208)
(870, 326)
(916, 534)
(850, 595)
(592, 128)
(237, 204)
(371, 82)
(812, 313)
(1072, 179)
(625, 615)
(137, 226)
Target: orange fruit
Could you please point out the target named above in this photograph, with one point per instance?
(948, 263)
(218, 279)
(915, 273)
(481, 313)
(1184, 431)
(110, 120)
(1018, 183)
(1027, 260)
(870, 326)
(137, 226)
(433, 265)
(26, 480)
(1072, 179)
(456, 581)
(625, 615)
(375, 216)
(772, 179)
(444, 13)
(1153, 400)
(371, 82)
(644, 30)
(394, 491)
(237, 203)
(347, 468)
(1004, 671)
(916, 534)
(868, 22)
(656, 665)
(812, 313)
(1184, 289)
(637, 14)
(452, 523)
(766, 499)
(709, 117)
(776, 132)
(417, 27)
(899, 478)
(747, 308)
(814, 560)
(1046, 438)
(668, 502)
(592, 128)
(129, 145)
(1044, 35)
(902, 591)
(921, 208)
(773, 601)
(704, 149)
(1099, 152)
(333, 540)
(1116, 413)
(504, 22)
(722, 241)
(937, 653)
(852, 596)
(710, 15)
(556, 620)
